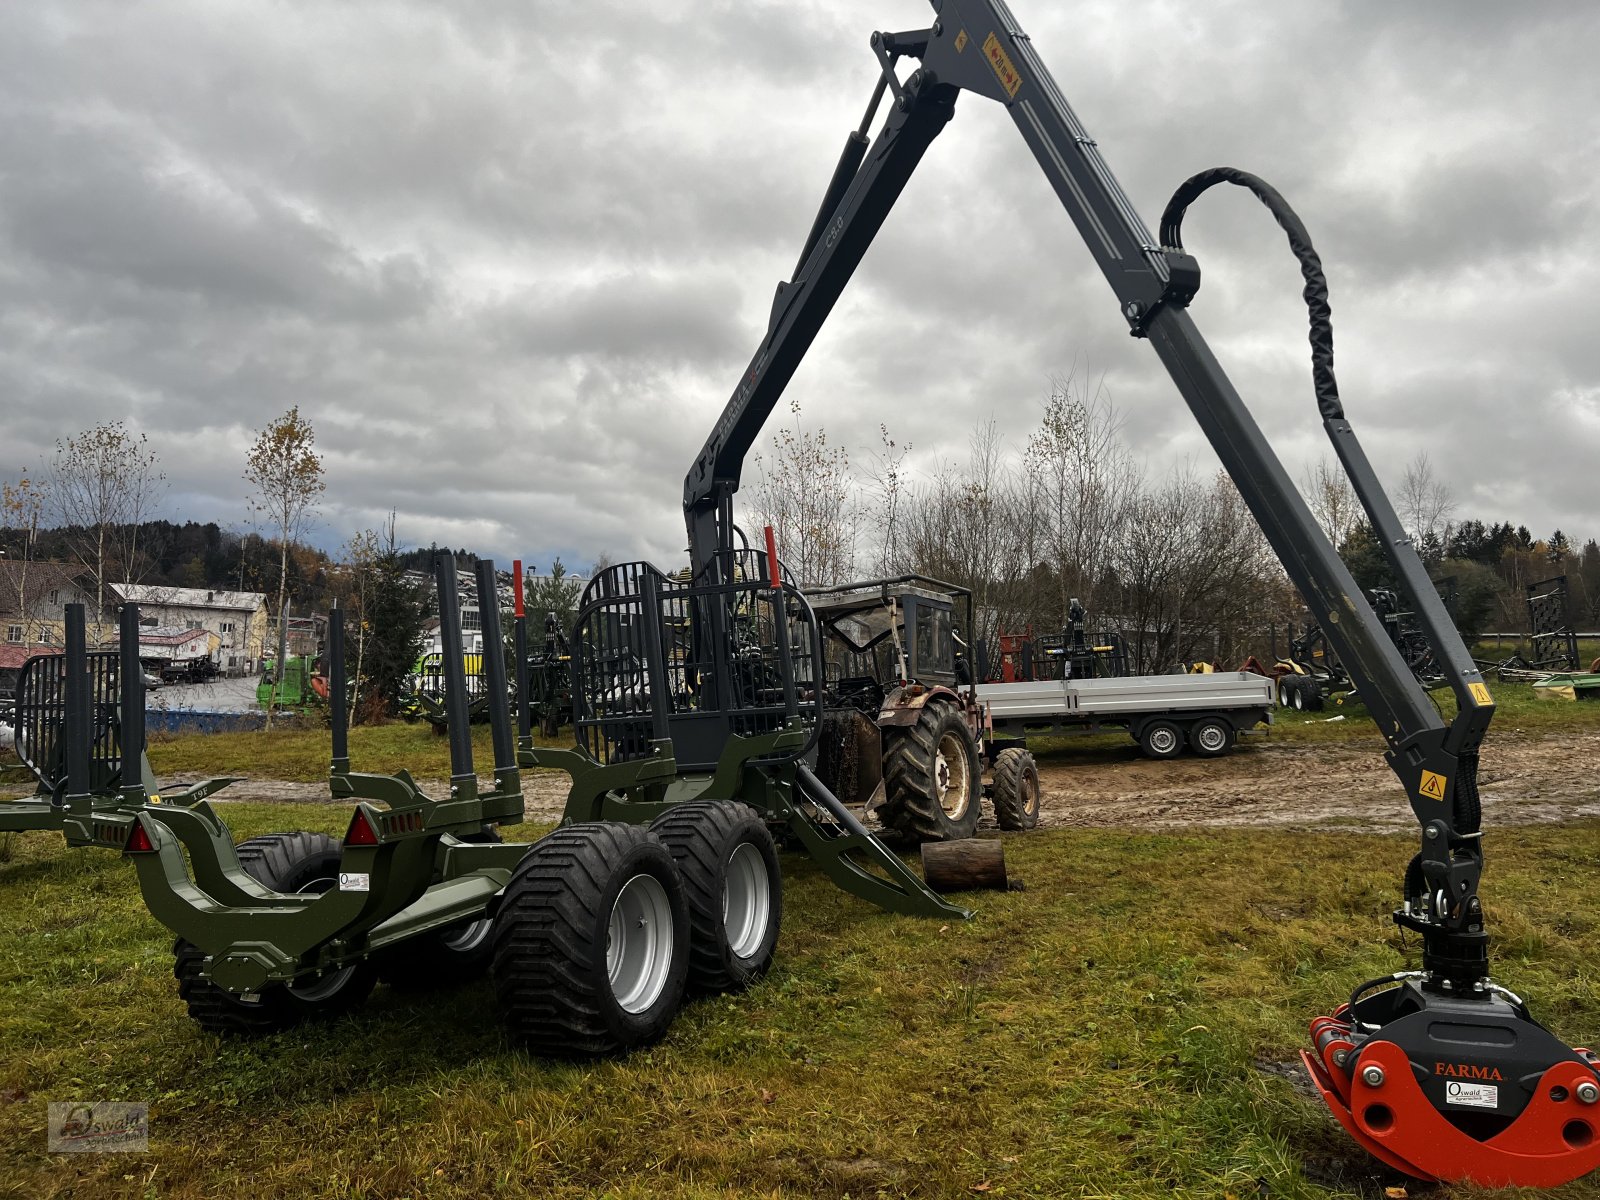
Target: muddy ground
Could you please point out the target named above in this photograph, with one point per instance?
(1524, 779)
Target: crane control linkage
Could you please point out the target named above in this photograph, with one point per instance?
(1441, 1072)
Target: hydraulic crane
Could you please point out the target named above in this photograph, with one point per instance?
(1441, 1072)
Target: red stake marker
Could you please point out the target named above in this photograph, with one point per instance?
(774, 575)
(516, 587)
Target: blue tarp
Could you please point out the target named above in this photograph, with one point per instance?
(188, 720)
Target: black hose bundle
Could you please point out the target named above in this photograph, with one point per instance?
(1316, 289)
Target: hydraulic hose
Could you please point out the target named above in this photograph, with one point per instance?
(1316, 289)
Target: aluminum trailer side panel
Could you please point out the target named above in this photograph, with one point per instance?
(1107, 698)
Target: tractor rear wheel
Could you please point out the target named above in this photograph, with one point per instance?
(729, 865)
(591, 942)
(932, 781)
(445, 956)
(284, 862)
(1016, 789)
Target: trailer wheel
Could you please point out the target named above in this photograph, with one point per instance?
(284, 862)
(1016, 789)
(1161, 739)
(1211, 737)
(446, 956)
(1285, 689)
(731, 880)
(591, 942)
(931, 776)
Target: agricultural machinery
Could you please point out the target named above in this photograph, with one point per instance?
(694, 711)
(1441, 1072)
(77, 718)
(902, 731)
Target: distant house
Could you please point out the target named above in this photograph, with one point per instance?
(237, 620)
(33, 602)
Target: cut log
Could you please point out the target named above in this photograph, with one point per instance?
(964, 866)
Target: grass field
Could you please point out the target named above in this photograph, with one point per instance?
(1123, 1027)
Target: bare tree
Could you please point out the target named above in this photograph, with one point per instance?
(102, 482)
(1425, 504)
(1332, 500)
(888, 494)
(1085, 479)
(287, 475)
(22, 506)
(805, 492)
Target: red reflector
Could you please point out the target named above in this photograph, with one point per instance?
(516, 586)
(139, 841)
(360, 832)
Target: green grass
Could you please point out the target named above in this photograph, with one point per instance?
(300, 752)
(1120, 1028)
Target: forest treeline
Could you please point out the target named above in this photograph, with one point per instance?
(1174, 562)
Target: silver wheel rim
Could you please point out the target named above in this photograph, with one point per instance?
(1163, 741)
(952, 791)
(639, 944)
(1211, 737)
(746, 900)
(469, 937)
(329, 984)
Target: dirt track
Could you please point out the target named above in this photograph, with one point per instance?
(1524, 780)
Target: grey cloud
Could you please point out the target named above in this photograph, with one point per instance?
(511, 259)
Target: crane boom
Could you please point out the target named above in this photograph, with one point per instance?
(977, 46)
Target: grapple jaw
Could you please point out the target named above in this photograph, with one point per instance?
(1458, 1089)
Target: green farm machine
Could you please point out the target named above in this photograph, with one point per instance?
(698, 702)
(695, 710)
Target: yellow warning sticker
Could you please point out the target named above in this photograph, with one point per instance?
(961, 41)
(1001, 62)
(1480, 693)
(1433, 785)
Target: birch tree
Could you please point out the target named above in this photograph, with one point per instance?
(101, 484)
(287, 474)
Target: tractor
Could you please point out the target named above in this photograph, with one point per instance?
(903, 731)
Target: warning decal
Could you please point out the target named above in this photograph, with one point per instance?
(961, 41)
(1480, 693)
(1433, 785)
(1001, 62)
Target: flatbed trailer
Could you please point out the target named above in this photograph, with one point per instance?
(1164, 713)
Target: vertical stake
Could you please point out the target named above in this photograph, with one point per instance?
(130, 734)
(463, 781)
(338, 714)
(519, 648)
(506, 776)
(76, 722)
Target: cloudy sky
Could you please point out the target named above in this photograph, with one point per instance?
(511, 258)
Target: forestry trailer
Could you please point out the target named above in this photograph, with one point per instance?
(1441, 1072)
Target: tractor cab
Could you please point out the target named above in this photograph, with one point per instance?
(883, 635)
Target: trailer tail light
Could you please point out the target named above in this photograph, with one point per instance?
(360, 832)
(139, 841)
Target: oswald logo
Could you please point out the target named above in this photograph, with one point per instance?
(1465, 1071)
